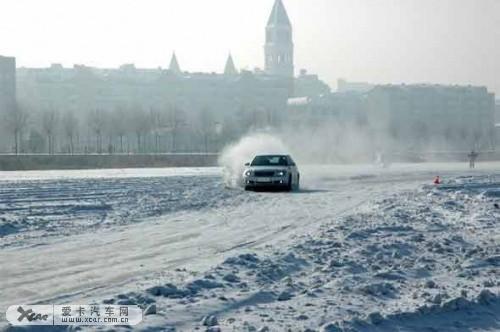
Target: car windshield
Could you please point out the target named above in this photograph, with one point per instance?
(270, 161)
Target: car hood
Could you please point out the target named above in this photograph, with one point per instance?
(267, 168)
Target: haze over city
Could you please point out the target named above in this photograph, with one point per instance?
(383, 41)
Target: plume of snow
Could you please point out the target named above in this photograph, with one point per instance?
(234, 156)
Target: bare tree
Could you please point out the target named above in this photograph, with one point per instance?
(175, 122)
(119, 125)
(156, 120)
(36, 141)
(50, 121)
(96, 124)
(70, 126)
(15, 121)
(140, 126)
(206, 127)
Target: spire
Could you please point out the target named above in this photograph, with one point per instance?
(230, 68)
(279, 43)
(278, 15)
(174, 65)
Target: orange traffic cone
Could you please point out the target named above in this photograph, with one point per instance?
(437, 180)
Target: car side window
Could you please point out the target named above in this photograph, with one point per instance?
(291, 162)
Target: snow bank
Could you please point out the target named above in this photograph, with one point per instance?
(407, 261)
(420, 260)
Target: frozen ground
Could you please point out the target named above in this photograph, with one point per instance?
(359, 248)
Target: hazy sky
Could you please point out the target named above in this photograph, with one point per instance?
(382, 41)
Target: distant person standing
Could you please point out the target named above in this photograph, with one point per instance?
(472, 159)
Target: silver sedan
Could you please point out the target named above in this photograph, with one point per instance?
(271, 172)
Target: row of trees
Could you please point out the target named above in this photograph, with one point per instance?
(122, 130)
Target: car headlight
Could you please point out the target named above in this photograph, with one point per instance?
(281, 173)
(248, 173)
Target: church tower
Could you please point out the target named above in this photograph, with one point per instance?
(279, 43)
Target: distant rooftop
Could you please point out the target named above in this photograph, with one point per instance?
(427, 86)
(360, 87)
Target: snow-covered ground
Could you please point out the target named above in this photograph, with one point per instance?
(358, 248)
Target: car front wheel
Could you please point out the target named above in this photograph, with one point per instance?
(289, 186)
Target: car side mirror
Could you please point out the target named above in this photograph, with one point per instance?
(247, 164)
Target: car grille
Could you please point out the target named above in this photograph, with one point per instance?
(264, 173)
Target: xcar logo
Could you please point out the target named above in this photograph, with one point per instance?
(30, 315)
(25, 314)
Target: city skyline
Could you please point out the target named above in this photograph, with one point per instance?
(357, 40)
